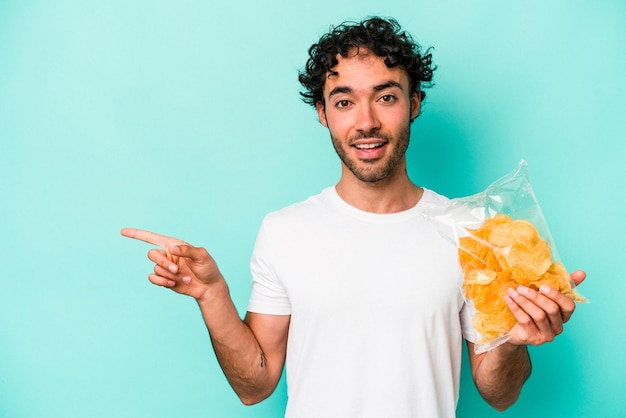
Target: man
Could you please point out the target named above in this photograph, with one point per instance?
(353, 288)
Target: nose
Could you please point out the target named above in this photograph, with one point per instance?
(366, 118)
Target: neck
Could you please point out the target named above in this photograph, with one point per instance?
(395, 193)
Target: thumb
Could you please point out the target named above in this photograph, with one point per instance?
(196, 254)
(198, 262)
(578, 277)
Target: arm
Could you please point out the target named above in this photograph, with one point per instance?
(251, 352)
(500, 373)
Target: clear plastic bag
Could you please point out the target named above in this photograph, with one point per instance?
(503, 241)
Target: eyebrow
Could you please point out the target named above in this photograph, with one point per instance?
(380, 87)
(339, 90)
(387, 85)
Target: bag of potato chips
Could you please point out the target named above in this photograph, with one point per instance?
(503, 241)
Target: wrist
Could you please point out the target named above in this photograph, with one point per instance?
(212, 292)
(509, 349)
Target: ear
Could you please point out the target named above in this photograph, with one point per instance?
(415, 104)
(321, 113)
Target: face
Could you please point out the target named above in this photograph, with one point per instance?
(368, 110)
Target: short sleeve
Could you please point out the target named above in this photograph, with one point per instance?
(467, 326)
(268, 294)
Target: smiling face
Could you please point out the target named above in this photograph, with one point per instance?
(368, 109)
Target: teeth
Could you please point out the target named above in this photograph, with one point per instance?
(367, 146)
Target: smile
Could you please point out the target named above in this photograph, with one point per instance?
(369, 146)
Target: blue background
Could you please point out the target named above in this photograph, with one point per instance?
(184, 118)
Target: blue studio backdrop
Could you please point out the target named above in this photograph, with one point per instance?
(184, 117)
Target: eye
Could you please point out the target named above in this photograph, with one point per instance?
(388, 98)
(342, 104)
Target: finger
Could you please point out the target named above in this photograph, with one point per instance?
(160, 258)
(543, 312)
(520, 315)
(172, 259)
(149, 237)
(161, 281)
(565, 305)
(170, 256)
(160, 271)
(525, 331)
(196, 254)
(578, 277)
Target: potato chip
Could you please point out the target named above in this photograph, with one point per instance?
(481, 276)
(502, 254)
(477, 253)
(510, 233)
(558, 278)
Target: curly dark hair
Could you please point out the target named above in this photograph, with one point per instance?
(384, 37)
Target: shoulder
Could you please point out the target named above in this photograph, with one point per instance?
(312, 206)
(433, 200)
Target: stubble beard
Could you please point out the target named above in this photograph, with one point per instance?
(371, 171)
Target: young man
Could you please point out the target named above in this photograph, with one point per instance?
(353, 288)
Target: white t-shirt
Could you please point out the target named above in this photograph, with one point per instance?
(377, 311)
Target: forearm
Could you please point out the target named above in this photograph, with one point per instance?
(501, 373)
(191, 271)
(237, 349)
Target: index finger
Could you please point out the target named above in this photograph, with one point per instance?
(565, 303)
(150, 237)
